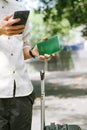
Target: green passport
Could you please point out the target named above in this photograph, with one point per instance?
(49, 46)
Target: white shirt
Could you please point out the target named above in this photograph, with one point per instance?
(12, 64)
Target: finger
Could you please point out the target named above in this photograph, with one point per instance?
(41, 57)
(8, 17)
(10, 33)
(14, 29)
(53, 55)
(13, 21)
(44, 38)
(18, 27)
(46, 56)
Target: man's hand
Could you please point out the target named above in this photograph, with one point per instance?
(35, 53)
(41, 57)
(7, 28)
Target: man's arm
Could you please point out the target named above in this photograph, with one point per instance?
(26, 53)
(35, 53)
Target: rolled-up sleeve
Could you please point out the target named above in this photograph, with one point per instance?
(26, 35)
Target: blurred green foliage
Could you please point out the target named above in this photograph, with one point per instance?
(37, 27)
(61, 15)
(58, 17)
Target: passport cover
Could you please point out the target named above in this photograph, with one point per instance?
(49, 46)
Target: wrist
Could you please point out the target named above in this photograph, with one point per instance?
(0, 29)
(31, 54)
(0, 32)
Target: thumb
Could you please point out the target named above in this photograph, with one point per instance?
(8, 17)
(44, 38)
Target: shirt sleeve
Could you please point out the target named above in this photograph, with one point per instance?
(26, 35)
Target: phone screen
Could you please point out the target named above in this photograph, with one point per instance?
(23, 15)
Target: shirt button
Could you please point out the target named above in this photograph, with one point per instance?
(13, 72)
(2, 7)
(11, 54)
(8, 37)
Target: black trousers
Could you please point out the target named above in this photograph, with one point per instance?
(16, 113)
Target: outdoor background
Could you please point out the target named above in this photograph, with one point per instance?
(66, 73)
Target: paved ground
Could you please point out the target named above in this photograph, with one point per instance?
(66, 98)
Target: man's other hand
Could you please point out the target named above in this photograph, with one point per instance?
(41, 57)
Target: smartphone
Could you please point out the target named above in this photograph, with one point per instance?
(23, 15)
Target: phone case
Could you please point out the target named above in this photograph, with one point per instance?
(23, 15)
(49, 46)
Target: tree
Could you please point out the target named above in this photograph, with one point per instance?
(37, 28)
(61, 15)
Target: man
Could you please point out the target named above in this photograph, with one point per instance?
(16, 90)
